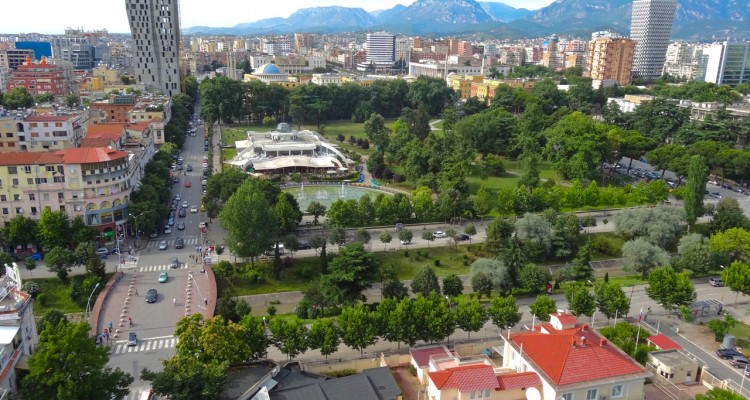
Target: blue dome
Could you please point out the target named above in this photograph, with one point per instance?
(269, 69)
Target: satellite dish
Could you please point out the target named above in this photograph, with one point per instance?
(532, 393)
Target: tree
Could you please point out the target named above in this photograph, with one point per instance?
(351, 272)
(223, 341)
(642, 256)
(483, 201)
(542, 307)
(661, 225)
(425, 281)
(471, 315)
(395, 289)
(72, 100)
(400, 324)
(289, 337)
(728, 215)
(504, 312)
(720, 327)
(358, 327)
(385, 238)
(693, 253)
(362, 235)
(734, 243)
(577, 145)
(533, 277)
(247, 217)
(737, 278)
(255, 336)
(481, 283)
(611, 300)
(470, 230)
(53, 229)
(453, 286)
(377, 132)
(405, 235)
(186, 378)
(580, 300)
(337, 235)
(669, 288)
(582, 270)
(316, 210)
(427, 237)
(433, 318)
(496, 270)
(695, 189)
(67, 364)
(498, 232)
(17, 98)
(232, 309)
(60, 261)
(324, 336)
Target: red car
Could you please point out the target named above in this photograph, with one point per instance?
(188, 184)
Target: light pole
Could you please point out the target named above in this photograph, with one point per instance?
(137, 236)
(88, 304)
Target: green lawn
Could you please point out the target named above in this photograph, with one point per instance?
(741, 332)
(228, 154)
(56, 296)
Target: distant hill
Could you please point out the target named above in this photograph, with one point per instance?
(695, 19)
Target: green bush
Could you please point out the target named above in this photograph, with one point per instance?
(224, 268)
(75, 290)
(466, 263)
(406, 253)
(32, 288)
(605, 245)
(271, 310)
(436, 262)
(340, 373)
(41, 298)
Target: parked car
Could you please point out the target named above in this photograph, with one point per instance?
(461, 237)
(193, 209)
(167, 231)
(728, 353)
(727, 186)
(406, 242)
(182, 213)
(132, 339)
(103, 251)
(151, 296)
(179, 243)
(177, 197)
(188, 184)
(189, 168)
(438, 234)
(175, 179)
(739, 362)
(716, 281)
(163, 277)
(205, 148)
(304, 246)
(174, 263)
(163, 245)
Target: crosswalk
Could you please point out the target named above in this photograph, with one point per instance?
(150, 344)
(189, 241)
(163, 267)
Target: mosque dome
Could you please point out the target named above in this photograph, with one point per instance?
(268, 69)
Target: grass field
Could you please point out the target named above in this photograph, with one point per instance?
(56, 296)
(741, 332)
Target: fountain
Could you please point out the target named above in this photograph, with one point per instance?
(302, 194)
(343, 194)
(327, 195)
(322, 195)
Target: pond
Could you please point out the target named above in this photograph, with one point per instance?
(327, 194)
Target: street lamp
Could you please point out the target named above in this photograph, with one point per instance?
(88, 304)
(137, 236)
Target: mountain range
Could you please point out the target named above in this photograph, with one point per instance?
(694, 19)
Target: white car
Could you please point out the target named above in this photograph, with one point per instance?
(102, 251)
(406, 242)
(193, 208)
(185, 204)
(438, 234)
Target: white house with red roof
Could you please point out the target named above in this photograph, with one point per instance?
(573, 362)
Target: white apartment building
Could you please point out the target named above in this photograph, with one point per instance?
(49, 132)
(155, 30)
(381, 49)
(326, 79)
(651, 29)
(439, 69)
(18, 334)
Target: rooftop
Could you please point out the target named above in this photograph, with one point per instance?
(245, 377)
(49, 118)
(421, 355)
(466, 378)
(573, 355)
(518, 380)
(664, 343)
(370, 384)
(112, 131)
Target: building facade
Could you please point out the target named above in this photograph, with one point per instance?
(155, 31)
(41, 133)
(12, 58)
(381, 49)
(41, 78)
(115, 109)
(18, 335)
(651, 28)
(610, 59)
(728, 63)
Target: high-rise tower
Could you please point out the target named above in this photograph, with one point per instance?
(155, 30)
(650, 28)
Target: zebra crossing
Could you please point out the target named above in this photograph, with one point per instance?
(189, 241)
(150, 344)
(163, 267)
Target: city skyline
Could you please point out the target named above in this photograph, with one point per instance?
(47, 13)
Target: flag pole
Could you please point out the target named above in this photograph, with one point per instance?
(638, 335)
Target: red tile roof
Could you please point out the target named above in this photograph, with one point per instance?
(664, 342)
(566, 364)
(565, 318)
(113, 131)
(422, 354)
(88, 155)
(96, 142)
(466, 378)
(49, 118)
(520, 380)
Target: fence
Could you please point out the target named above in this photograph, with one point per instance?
(670, 389)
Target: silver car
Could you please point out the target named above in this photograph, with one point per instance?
(163, 245)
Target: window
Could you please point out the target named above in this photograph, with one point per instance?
(12, 170)
(567, 396)
(5, 211)
(3, 198)
(616, 391)
(50, 168)
(32, 197)
(27, 169)
(29, 181)
(591, 394)
(16, 197)
(15, 181)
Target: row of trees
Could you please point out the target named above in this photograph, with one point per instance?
(53, 229)
(226, 100)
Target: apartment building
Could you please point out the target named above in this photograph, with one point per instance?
(381, 49)
(114, 109)
(35, 133)
(41, 78)
(18, 335)
(651, 28)
(12, 58)
(155, 110)
(610, 60)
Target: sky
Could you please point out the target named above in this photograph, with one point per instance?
(53, 16)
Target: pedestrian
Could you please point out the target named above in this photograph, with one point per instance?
(110, 325)
(174, 300)
(197, 249)
(205, 301)
(130, 321)
(136, 292)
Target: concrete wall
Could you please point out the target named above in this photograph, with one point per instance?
(359, 364)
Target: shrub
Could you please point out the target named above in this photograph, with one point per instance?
(32, 288)
(271, 310)
(223, 268)
(306, 272)
(605, 245)
(340, 137)
(75, 290)
(406, 253)
(399, 178)
(41, 298)
(466, 263)
(412, 370)
(436, 262)
(340, 373)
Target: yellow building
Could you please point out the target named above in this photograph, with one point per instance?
(462, 83)
(109, 76)
(610, 59)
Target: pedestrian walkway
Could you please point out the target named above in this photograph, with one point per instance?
(163, 267)
(149, 344)
(189, 241)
